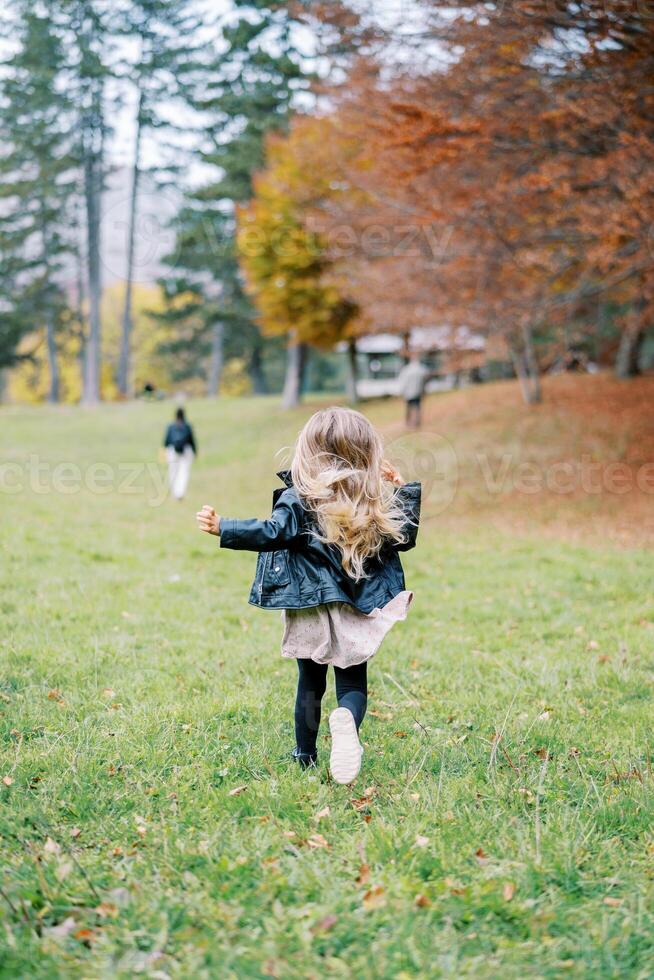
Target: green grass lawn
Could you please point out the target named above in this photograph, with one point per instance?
(150, 820)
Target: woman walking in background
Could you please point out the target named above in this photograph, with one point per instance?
(181, 450)
(411, 383)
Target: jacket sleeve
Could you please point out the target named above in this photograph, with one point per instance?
(409, 497)
(191, 441)
(275, 534)
(168, 438)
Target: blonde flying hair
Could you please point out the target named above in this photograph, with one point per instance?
(337, 472)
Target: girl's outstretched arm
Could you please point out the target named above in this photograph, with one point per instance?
(208, 520)
(274, 534)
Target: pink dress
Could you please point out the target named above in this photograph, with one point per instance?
(337, 633)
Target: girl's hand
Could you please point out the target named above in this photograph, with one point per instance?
(208, 520)
(389, 473)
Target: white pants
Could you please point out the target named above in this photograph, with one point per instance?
(179, 470)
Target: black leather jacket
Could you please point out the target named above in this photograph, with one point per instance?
(296, 570)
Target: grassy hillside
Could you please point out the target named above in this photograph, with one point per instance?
(150, 820)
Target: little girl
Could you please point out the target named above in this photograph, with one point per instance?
(329, 559)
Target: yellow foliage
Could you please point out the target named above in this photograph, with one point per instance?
(236, 380)
(29, 382)
(284, 261)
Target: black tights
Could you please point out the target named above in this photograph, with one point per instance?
(351, 693)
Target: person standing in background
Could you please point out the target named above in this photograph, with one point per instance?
(411, 383)
(181, 449)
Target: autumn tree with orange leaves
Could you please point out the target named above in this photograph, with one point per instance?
(507, 187)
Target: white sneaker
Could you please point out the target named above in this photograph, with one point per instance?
(345, 758)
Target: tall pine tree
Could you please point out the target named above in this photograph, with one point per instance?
(37, 182)
(243, 92)
(164, 32)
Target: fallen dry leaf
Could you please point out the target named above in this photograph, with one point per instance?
(481, 855)
(508, 891)
(317, 840)
(75, 831)
(400, 734)
(374, 898)
(324, 925)
(364, 875)
(421, 841)
(361, 803)
(237, 790)
(613, 902)
(51, 846)
(321, 814)
(592, 645)
(7, 780)
(421, 901)
(455, 886)
(106, 910)
(63, 870)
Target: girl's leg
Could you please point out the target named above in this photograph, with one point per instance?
(172, 468)
(352, 690)
(344, 721)
(312, 681)
(183, 473)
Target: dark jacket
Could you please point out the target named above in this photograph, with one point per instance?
(179, 435)
(296, 570)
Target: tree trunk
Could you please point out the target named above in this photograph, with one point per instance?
(627, 358)
(92, 352)
(50, 321)
(295, 363)
(53, 360)
(4, 376)
(259, 386)
(352, 373)
(216, 364)
(529, 384)
(124, 385)
(81, 316)
(531, 364)
(93, 194)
